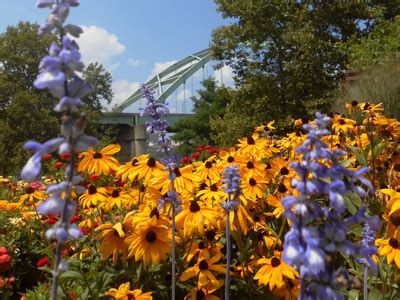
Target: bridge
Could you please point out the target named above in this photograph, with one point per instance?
(131, 127)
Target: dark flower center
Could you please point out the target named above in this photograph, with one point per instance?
(142, 189)
(250, 165)
(252, 182)
(290, 284)
(210, 235)
(268, 166)
(304, 120)
(131, 297)
(396, 167)
(282, 188)
(342, 122)
(257, 218)
(250, 141)
(92, 189)
(354, 103)
(151, 162)
(115, 193)
(275, 262)
(213, 188)
(367, 106)
(134, 162)
(200, 295)
(203, 265)
(208, 165)
(202, 245)
(151, 236)
(266, 128)
(194, 207)
(203, 185)
(97, 155)
(29, 190)
(284, 171)
(177, 172)
(394, 243)
(298, 133)
(230, 159)
(154, 212)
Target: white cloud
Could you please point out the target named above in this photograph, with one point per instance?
(98, 45)
(135, 62)
(227, 76)
(161, 66)
(122, 90)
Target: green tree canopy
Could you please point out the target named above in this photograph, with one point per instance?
(286, 56)
(25, 112)
(196, 130)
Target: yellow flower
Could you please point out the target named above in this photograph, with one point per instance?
(124, 293)
(342, 125)
(253, 187)
(99, 162)
(204, 293)
(113, 240)
(151, 243)
(289, 291)
(212, 193)
(93, 196)
(252, 145)
(194, 217)
(117, 197)
(273, 272)
(203, 268)
(34, 192)
(390, 248)
(129, 170)
(267, 127)
(208, 169)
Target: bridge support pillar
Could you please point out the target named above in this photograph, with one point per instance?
(140, 139)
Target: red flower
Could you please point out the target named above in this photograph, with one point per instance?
(3, 251)
(50, 221)
(66, 155)
(195, 155)
(94, 177)
(74, 219)
(199, 149)
(185, 160)
(208, 148)
(58, 164)
(120, 183)
(5, 262)
(46, 156)
(44, 261)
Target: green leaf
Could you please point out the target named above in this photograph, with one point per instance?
(354, 295)
(379, 148)
(68, 275)
(360, 157)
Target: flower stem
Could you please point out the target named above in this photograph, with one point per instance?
(228, 255)
(365, 283)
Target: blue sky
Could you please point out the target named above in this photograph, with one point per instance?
(132, 38)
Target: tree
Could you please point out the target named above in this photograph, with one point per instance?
(196, 129)
(22, 106)
(285, 56)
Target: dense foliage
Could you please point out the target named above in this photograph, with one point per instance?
(287, 58)
(21, 105)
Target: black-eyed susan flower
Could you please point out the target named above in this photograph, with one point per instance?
(128, 171)
(212, 193)
(34, 192)
(124, 293)
(184, 180)
(150, 243)
(274, 271)
(144, 169)
(93, 196)
(118, 198)
(391, 248)
(253, 187)
(289, 291)
(252, 145)
(113, 239)
(204, 293)
(203, 269)
(265, 128)
(195, 216)
(146, 215)
(209, 169)
(342, 125)
(99, 162)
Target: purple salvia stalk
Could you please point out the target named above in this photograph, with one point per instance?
(231, 180)
(58, 75)
(156, 111)
(320, 230)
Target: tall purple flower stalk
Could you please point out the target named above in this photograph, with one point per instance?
(318, 234)
(158, 125)
(231, 180)
(58, 74)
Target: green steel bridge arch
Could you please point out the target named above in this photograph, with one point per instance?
(168, 81)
